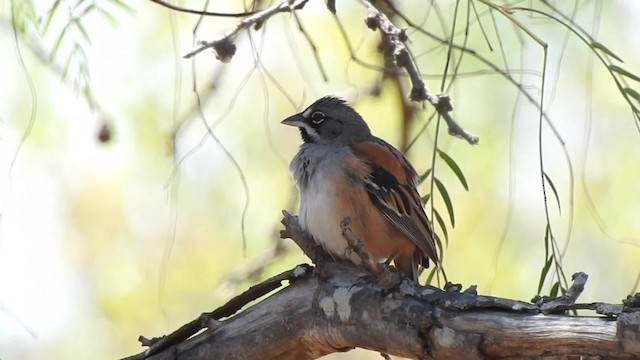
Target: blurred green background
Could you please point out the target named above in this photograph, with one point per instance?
(101, 241)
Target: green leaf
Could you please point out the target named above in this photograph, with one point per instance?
(436, 239)
(424, 176)
(443, 272)
(82, 30)
(425, 199)
(436, 214)
(447, 200)
(57, 44)
(432, 273)
(553, 188)
(454, 167)
(547, 232)
(50, 16)
(122, 6)
(600, 46)
(624, 72)
(107, 15)
(554, 289)
(67, 65)
(544, 272)
(86, 11)
(634, 94)
(24, 16)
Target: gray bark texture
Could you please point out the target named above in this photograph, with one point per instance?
(340, 306)
(337, 306)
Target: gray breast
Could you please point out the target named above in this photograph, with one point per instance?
(313, 158)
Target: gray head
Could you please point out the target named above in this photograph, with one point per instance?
(330, 121)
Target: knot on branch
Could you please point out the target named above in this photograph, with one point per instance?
(224, 49)
(442, 102)
(632, 303)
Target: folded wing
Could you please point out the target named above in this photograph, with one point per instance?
(391, 185)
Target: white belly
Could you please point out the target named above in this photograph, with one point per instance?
(318, 215)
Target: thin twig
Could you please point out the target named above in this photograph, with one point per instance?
(224, 47)
(356, 245)
(312, 45)
(385, 277)
(200, 12)
(419, 92)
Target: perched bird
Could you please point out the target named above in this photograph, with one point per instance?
(342, 170)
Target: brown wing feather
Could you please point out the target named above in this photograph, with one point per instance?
(391, 185)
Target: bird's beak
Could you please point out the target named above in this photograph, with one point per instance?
(294, 120)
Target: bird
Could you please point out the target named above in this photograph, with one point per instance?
(342, 170)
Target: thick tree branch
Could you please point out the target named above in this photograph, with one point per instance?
(341, 305)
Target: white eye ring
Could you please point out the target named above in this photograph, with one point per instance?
(317, 117)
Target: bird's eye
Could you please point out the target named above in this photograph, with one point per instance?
(317, 117)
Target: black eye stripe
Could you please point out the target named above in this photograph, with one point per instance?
(317, 117)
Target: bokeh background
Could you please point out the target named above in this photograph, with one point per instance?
(123, 215)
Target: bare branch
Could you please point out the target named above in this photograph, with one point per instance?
(384, 275)
(356, 245)
(419, 92)
(312, 45)
(293, 231)
(224, 47)
(560, 303)
(200, 12)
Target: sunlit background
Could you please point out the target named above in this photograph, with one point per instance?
(125, 217)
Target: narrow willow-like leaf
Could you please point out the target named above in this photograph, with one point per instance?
(600, 46)
(67, 66)
(553, 188)
(107, 15)
(634, 94)
(123, 5)
(86, 11)
(447, 200)
(82, 30)
(432, 273)
(436, 239)
(544, 272)
(436, 214)
(52, 55)
(547, 231)
(50, 15)
(425, 199)
(554, 289)
(624, 72)
(454, 167)
(424, 176)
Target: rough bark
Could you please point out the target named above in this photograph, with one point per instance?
(340, 306)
